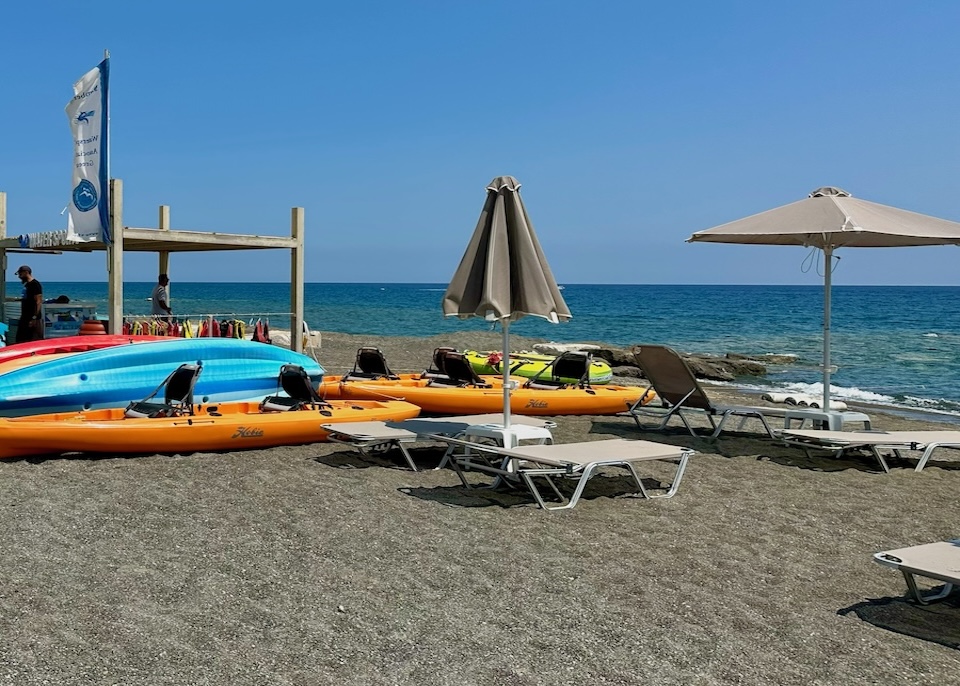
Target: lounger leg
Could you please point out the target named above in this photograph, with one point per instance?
(406, 455)
(883, 463)
(766, 425)
(368, 450)
(574, 498)
(926, 456)
(717, 426)
(681, 467)
(925, 599)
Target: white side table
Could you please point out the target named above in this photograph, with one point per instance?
(509, 437)
(832, 420)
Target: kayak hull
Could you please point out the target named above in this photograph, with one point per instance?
(440, 399)
(71, 344)
(528, 365)
(216, 427)
(233, 370)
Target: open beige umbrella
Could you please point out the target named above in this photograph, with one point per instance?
(504, 275)
(830, 218)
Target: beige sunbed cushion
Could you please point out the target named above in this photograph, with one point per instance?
(941, 559)
(364, 431)
(891, 438)
(594, 452)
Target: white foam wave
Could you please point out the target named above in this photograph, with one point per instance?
(931, 335)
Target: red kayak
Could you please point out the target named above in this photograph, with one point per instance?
(73, 344)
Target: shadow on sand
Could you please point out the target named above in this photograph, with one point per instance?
(937, 623)
(600, 486)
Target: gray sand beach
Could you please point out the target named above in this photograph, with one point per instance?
(317, 565)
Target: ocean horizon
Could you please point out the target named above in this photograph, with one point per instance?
(893, 345)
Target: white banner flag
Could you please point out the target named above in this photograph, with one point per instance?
(89, 123)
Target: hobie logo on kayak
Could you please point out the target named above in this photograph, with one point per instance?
(247, 432)
(538, 404)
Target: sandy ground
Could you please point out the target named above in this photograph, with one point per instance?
(316, 565)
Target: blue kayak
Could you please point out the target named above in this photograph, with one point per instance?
(233, 369)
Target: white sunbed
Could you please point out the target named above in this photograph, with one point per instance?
(373, 436)
(575, 460)
(839, 442)
(939, 561)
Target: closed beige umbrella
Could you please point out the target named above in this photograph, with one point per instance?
(504, 275)
(830, 218)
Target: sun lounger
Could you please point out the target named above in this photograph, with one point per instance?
(374, 436)
(939, 561)
(679, 394)
(573, 460)
(839, 442)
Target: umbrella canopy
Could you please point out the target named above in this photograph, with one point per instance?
(504, 275)
(831, 218)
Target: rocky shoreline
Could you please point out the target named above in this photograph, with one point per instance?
(728, 367)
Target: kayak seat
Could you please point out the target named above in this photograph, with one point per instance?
(300, 393)
(458, 372)
(177, 395)
(370, 364)
(436, 371)
(557, 374)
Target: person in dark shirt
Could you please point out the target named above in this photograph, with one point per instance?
(30, 326)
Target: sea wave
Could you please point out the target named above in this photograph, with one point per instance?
(942, 407)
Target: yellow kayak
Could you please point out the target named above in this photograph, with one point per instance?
(529, 364)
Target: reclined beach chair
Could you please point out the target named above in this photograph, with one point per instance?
(569, 365)
(368, 437)
(300, 393)
(580, 461)
(680, 393)
(458, 372)
(177, 395)
(435, 370)
(840, 442)
(939, 561)
(370, 364)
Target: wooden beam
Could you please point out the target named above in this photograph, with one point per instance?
(115, 258)
(296, 280)
(163, 256)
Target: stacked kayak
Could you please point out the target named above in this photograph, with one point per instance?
(439, 398)
(528, 364)
(226, 426)
(233, 370)
(72, 344)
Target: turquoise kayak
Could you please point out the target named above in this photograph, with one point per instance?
(233, 370)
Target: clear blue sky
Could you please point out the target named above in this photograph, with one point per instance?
(630, 124)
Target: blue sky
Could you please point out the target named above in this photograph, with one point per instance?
(630, 124)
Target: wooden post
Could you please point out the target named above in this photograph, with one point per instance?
(164, 255)
(296, 280)
(115, 258)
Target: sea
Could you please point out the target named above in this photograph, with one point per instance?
(892, 345)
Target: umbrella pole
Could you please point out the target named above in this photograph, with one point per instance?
(506, 372)
(827, 274)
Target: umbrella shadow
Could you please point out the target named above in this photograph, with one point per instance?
(936, 623)
(600, 486)
(392, 458)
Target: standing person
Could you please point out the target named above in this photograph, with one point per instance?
(30, 326)
(161, 297)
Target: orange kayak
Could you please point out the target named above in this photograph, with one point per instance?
(224, 426)
(444, 399)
